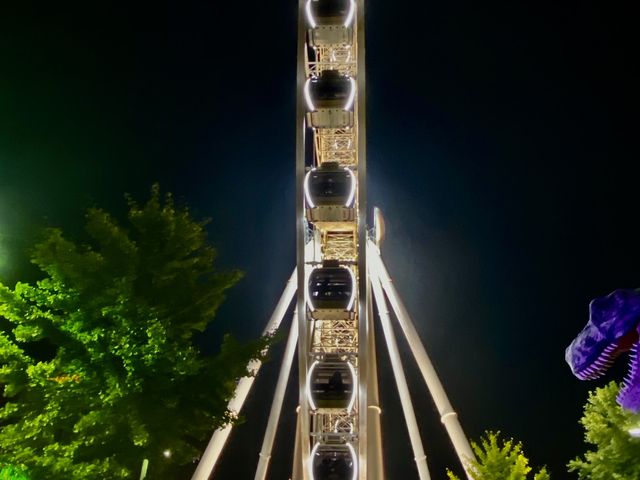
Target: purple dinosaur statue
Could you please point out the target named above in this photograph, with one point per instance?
(613, 328)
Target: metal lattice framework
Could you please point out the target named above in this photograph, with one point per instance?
(336, 235)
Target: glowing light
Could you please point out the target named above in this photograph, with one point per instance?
(634, 432)
(307, 96)
(310, 19)
(355, 463)
(314, 450)
(350, 15)
(353, 387)
(307, 195)
(352, 95)
(166, 453)
(352, 193)
(352, 299)
(309, 396)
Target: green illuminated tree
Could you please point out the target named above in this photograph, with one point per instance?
(9, 472)
(500, 460)
(98, 360)
(615, 454)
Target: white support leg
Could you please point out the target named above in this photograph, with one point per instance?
(297, 456)
(219, 438)
(375, 469)
(401, 381)
(448, 416)
(278, 399)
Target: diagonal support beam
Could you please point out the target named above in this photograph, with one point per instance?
(401, 381)
(448, 416)
(219, 438)
(278, 399)
(375, 468)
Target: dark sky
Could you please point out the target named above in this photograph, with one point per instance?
(500, 150)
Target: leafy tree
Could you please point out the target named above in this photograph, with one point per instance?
(500, 460)
(9, 472)
(98, 360)
(616, 454)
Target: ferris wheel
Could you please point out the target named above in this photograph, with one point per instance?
(339, 276)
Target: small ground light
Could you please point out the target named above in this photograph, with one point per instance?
(166, 453)
(635, 432)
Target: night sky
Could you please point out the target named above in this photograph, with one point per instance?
(500, 151)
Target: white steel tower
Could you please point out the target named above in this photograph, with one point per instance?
(339, 275)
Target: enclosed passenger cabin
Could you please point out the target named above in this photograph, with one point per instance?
(330, 21)
(330, 193)
(330, 98)
(331, 292)
(331, 385)
(333, 462)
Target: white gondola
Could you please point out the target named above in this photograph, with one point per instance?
(330, 21)
(330, 193)
(333, 462)
(330, 99)
(332, 385)
(331, 292)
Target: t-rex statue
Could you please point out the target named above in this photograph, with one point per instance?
(613, 328)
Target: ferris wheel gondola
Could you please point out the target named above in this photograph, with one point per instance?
(333, 462)
(330, 99)
(331, 292)
(330, 21)
(332, 385)
(329, 192)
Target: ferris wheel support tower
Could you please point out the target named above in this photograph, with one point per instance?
(339, 276)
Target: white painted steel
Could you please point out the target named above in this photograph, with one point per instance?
(219, 438)
(375, 469)
(448, 416)
(296, 470)
(401, 381)
(278, 399)
(363, 324)
(303, 446)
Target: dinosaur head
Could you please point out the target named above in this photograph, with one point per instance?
(613, 327)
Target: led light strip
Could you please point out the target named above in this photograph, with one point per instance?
(351, 14)
(352, 193)
(307, 195)
(352, 95)
(307, 96)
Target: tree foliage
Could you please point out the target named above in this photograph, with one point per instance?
(9, 472)
(615, 454)
(499, 459)
(97, 358)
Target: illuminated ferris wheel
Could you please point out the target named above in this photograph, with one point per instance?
(339, 275)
